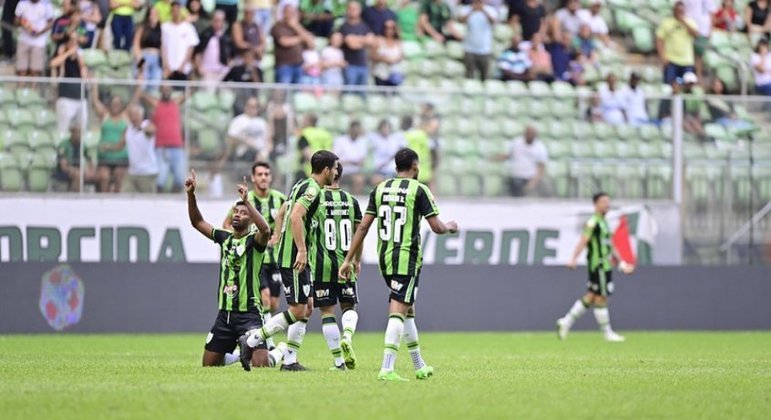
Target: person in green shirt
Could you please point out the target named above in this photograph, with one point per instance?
(312, 139)
(408, 16)
(596, 239)
(418, 140)
(238, 301)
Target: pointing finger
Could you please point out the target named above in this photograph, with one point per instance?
(192, 173)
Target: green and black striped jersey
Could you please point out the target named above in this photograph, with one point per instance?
(304, 193)
(599, 251)
(334, 223)
(399, 204)
(268, 206)
(241, 261)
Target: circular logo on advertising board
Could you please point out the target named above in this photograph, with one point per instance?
(61, 297)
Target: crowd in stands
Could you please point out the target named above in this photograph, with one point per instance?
(331, 45)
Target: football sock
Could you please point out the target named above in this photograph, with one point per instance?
(274, 356)
(349, 320)
(266, 315)
(277, 323)
(411, 339)
(332, 335)
(294, 336)
(602, 316)
(393, 335)
(578, 309)
(230, 358)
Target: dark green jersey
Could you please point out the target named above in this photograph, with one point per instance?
(241, 261)
(599, 250)
(399, 205)
(304, 193)
(268, 206)
(333, 224)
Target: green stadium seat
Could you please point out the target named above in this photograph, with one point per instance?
(603, 131)
(20, 118)
(659, 181)
(204, 101)
(624, 150)
(517, 88)
(7, 96)
(119, 58)
(453, 69)
(45, 119)
(446, 184)
(352, 103)
(15, 144)
(305, 102)
(10, 173)
(39, 172)
(328, 103)
(40, 141)
(93, 57)
(226, 99)
(493, 186)
(560, 88)
(433, 49)
(454, 50)
(718, 132)
(630, 178)
(209, 142)
(412, 49)
(28, 97)
(557, 171)
(604, 150)
(538, 88)
(558, 150)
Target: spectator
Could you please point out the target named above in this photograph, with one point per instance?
(514, 64)
(721, 111)
(230, 7)
(408, 17)
(761, 68)
(515, 11)
(691, 115)
(612, 102)
(112, 156)
(571, 17)
(532, 18)
(123, 22)
(35, 18)
(296, 4)
(577, 69)
(385, 144)
(594, 111)
(527, 158)
(70, 99)
(674, 43)
(585, 43)
(388, 57)
(352, 149)
(246, 73)
(357, 37)
(9, 21)
(290, 39)
(541, 60)
(91, 15)
(436, 21)
(700, 11)
(418, 140)
(377, 15)
(727, 18)
(757, 17)
(560, 51)
(316, 17)
(333, 62)
(263, 15)
(478, 43)
(246, 34)
(312, 69)
(431, 122)
(281, 122)
(178, 39)
(68, 161)
(68, 25)
(139, 141)
(196, 15)
(248, 138)
(312, 139)
(169, 143)
(213, 52)
(147, 49)
(597, 23)
(634, 102)
(164, 8)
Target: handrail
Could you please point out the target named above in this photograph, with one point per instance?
(746, 227)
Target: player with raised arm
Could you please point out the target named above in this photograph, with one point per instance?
(335, 220)
(596, 239)
(241, 258)
(268, 202)
(398, 205)
(293, 250)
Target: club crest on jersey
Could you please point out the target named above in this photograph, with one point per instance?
(311, 193)
(307, 290)
(230, 290)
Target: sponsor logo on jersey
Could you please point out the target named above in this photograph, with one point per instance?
(322, 293)
(396, 286)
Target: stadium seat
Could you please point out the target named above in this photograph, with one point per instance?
(226, 99)
(10, 173)
(40, 141)
(454, 50)
(209, 142)
(305, 102)
(412, 49)
(352, 103)
(557, 171)
(28, 97)
(45, 119)
(20, 118)
(493, 185)
(433, 49)
(93, 58)
(119, 58)
(39, 172)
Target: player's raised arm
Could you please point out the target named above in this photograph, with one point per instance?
(298, 236)
(254, 215)
(354, 252)
(196, 219)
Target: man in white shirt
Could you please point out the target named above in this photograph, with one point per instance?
(597, 22)
(612, 102)
(34, 18)
(248, 137)
(139, 140)
(385, 144)
(352, 150)
(633, 99)
(701, 12)
(178, 38)
(572, 16)
(527, 159)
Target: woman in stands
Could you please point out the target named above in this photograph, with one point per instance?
(757, 17)
(388, 57)
(147, 49)
(761, 67)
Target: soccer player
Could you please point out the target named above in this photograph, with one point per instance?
(596, 237)
(336, 218)
(398, 205)
(293, 253)
(268, 202)
(242, 255)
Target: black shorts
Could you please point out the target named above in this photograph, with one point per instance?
(228, 326)
(329, 293)
(600, 282)
(297, 285)
(270, 278)
(404, 289)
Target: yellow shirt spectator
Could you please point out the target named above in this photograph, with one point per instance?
(678, 42)
(164, 11)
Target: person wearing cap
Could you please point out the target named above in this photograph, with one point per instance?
(633, 98)
(675, 43)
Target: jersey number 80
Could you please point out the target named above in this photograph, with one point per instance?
(330, 234)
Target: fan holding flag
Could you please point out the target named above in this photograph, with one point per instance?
(601, 250)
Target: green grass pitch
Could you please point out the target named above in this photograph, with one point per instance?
(502, 375)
